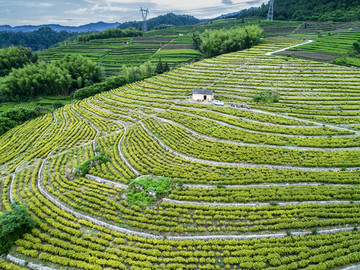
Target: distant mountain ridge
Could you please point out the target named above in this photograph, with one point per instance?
(235, 14)
(91, 27)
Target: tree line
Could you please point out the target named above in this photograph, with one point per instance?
(56, 78)
(216, 42)
(315, 10)
(15, 57)
(110, 33)
(38, 40)
(128, 75)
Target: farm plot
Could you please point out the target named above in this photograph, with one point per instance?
(112, 54)
(338, 43)
(275, 186)
(175, 56)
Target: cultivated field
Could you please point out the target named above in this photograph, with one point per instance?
(275, 186)
(112, 54)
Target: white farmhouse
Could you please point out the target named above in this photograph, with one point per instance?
(203, 95)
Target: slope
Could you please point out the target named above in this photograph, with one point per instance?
(272, 187)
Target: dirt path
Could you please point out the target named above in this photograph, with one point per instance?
(284, 49)
(206, 137)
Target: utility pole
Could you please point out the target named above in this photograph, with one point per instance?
(144, 14)
(270, 16)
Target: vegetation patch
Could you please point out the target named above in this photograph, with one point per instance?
(83, 168)
(268, 96)
(13, 224)
(216, 42)
(146, 190)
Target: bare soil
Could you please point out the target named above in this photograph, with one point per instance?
(178, 46)
(153, 38)
(279, 31)
(316, 56)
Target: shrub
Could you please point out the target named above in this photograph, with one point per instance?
(13, 224)
(268, 96)
(161, 185)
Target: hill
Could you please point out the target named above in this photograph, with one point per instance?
(323, 10)
(40, 39)
(275, 186)
(91, 27)
(174, 45)
(169, 19)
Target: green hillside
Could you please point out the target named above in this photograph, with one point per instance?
(174, 45)
(339, 43)
(258, 186)
(315, 10)
(112, 54)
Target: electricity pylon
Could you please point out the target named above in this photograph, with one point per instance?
(144, 14)
(270, 16)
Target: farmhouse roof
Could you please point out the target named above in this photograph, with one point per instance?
(203, 91)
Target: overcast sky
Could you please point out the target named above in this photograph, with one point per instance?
(79, 12)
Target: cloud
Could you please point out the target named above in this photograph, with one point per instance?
(40, 4)
(18, 12)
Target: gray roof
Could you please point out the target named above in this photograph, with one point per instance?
(203, 91)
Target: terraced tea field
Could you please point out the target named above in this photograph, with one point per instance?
(112, 54)
(339, 43)
(275, 186)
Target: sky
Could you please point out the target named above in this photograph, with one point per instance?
(79, 12)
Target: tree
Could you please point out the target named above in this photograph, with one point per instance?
(159, 68)
(166, 67)
(57, 78)
(15, 57)
(13, 224)
(216, 42)
(356, 46)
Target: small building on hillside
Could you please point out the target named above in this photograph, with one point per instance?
(203, 95)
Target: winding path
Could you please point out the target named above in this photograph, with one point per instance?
(256, 204)
(284, 49)
(355, 134)
(253, 144)
(244, 165)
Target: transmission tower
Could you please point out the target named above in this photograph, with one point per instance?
(144, 14)
(270, 16)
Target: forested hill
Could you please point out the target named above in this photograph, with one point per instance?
(37, 40)
(318, 10)
(167, 19)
